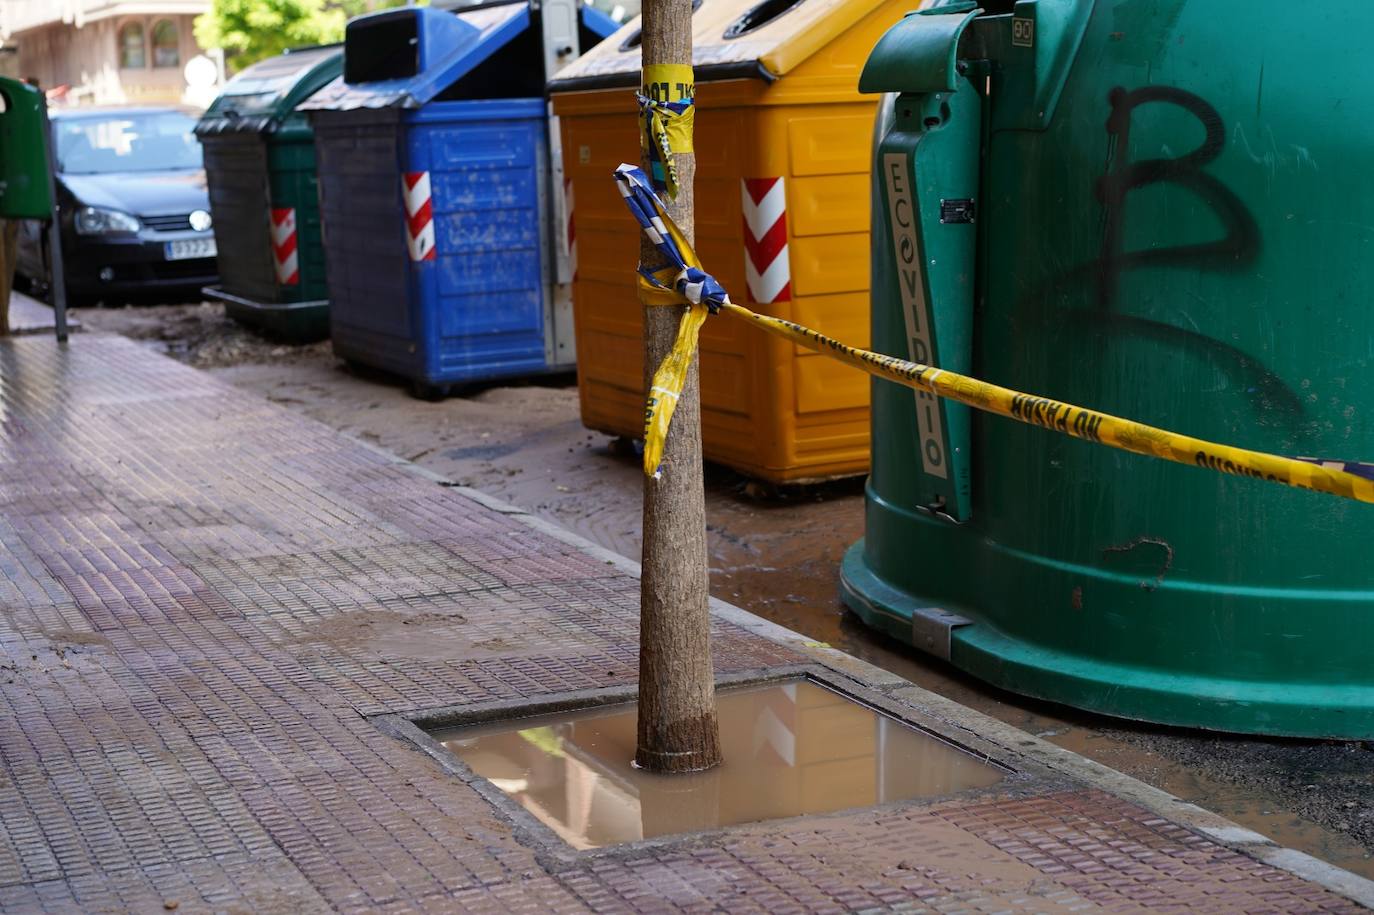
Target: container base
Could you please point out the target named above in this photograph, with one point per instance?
(1291, 709)
(290, 322)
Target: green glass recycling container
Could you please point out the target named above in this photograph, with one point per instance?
(1160, 209)
(260, 166)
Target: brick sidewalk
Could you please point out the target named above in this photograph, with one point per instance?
(216, 612)
(30, 316)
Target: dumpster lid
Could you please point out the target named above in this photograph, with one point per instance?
(731, 39)
(404, 57)
(919, 53)
(260, 97)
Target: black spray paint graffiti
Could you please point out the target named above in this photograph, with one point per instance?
(1237, 249)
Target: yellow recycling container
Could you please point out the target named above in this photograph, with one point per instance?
(783, 148)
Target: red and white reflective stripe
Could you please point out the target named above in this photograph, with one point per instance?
(775, 727)
(284, 246)
(572, 227)
(419, 215)
(767, 269)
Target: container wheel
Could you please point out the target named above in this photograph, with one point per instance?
(423, 390)
(762, 491)
(624, 446)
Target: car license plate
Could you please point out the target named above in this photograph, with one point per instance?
(187, 248)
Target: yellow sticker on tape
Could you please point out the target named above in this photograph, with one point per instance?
(668, 83)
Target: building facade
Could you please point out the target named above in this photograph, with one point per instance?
(105, 52)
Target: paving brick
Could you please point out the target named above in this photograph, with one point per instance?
(205, 596)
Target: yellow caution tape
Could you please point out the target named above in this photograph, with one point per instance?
(671, 375)
(667, 119)
(1074, 421)
(688, 286)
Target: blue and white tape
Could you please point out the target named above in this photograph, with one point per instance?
(689, 280)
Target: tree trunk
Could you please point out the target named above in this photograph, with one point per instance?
(678, 730)
(9, 251)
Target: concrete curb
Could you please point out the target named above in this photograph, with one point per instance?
(1014, 742)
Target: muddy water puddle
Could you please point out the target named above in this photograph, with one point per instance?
(790, 748)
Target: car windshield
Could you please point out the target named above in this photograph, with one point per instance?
(145, 142)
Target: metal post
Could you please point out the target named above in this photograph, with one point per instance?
(59, 276)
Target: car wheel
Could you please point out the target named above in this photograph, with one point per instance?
(27, 285)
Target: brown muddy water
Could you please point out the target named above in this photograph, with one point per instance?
(790, 748)
(773, 552)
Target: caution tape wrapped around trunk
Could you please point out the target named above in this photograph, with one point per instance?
(667, 116)
(679, 282)
(683, 283)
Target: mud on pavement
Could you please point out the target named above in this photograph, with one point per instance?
(773, 552)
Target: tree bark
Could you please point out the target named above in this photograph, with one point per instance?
(678, 730)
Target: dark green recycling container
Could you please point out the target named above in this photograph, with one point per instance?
(25, 190)
(1161, 209)
(260, 165)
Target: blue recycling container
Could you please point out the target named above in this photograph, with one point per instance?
(439, 191)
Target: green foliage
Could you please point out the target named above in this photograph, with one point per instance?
(249, 30)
